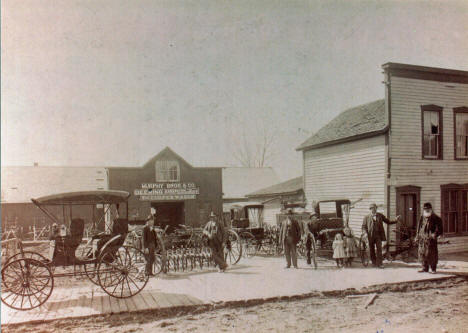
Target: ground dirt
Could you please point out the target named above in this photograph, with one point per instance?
(437, 306)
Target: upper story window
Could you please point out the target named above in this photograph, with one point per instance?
(431, 132)
(167, 171)
(461, 132)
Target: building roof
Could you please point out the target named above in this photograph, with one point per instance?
(290, 186)
(239, 181)
(355, 123)
(21, 183)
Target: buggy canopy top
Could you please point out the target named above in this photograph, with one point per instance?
(83, 198)
(243, 204)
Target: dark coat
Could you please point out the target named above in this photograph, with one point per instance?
(435, 228)
(375, 229)
(296, 230)
(149, 237)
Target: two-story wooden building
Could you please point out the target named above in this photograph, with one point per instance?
(401, 151)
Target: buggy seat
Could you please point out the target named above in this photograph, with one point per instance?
(119, 228)
(65, 247)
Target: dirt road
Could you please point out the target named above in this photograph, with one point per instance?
(422, 307)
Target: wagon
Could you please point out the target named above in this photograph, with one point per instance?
(119, 269)
(247, 221)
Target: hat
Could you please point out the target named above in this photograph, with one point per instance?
(427, 205)
(373, 205)
(289, 211)
(212, 214)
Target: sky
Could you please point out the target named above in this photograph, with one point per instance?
(111, 82)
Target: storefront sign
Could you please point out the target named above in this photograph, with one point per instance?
(167, 191)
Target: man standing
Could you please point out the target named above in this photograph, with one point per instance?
(373, 227)
(290, 234)
(149, 241)
(215, 232)
(309, 226)
(429, 228)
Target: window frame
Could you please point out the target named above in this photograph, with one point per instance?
(438, 109)
(459, 189)
(461, 109)
(167, 171)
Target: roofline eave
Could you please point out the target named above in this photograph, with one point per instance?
(273, 194)
(343, 140)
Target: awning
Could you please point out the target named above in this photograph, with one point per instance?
(83, 198)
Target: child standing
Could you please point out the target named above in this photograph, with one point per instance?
(338, 250)
(351, 250)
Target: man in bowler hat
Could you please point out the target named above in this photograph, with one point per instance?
(372, 225)
(429, 228)
(290, 234)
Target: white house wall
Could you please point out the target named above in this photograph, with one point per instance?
(353, 170)
(407, 166)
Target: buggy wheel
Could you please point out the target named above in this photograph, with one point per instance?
(91, 267)
(249, 244)
(233, 248)
(30, 255)
(364, 251)
(26, 284)
(122, 272)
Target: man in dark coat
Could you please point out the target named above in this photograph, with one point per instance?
(429, 228)
(372, 225)
(149, 241)
(290, 234)
(216, 234)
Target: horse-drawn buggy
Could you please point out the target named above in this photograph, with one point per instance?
(246, 219)
(106, 259)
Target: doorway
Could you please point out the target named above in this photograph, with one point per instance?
(407, 206)
(169, 214)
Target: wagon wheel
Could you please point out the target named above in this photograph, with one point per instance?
(30, 255)
(233, 248)
(122, 272)
(91, 267)
(26, 283)
(363, 250)
(249, 244)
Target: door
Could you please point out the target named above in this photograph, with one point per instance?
(169, 214)
(408, 208)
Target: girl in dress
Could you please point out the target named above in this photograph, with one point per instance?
(338, 250)
(350, 246)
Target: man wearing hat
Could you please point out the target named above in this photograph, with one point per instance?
(215, 232)
(429, 228)
(372, 225)
(290, 234)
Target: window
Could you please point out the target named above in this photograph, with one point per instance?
(167, 171)
(455, 208)
(461, 132)
(431, 132)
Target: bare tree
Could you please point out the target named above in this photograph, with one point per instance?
(255, 149)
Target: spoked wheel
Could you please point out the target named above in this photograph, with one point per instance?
(233, 248)
(91, 267)
(26, 283)
(122, 272)
(364, 251)
(249, 244)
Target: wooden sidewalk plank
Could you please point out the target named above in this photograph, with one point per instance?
(106, 305)
(163, 300)
(114, 305)
(150, 300)
(139, 302)
(182, 300)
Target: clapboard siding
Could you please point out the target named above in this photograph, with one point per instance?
(353, 170)
(407, 166)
